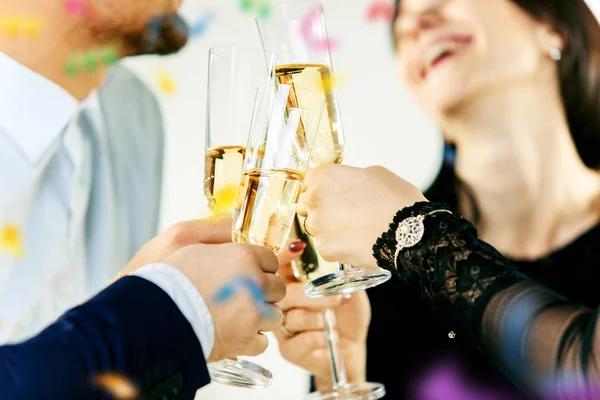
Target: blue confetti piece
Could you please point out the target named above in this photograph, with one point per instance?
(258, 295)
(199, 27)
(255, 290)
(227, 292)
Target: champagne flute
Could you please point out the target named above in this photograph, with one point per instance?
(296, 32)
(234, 74)
(277, 154)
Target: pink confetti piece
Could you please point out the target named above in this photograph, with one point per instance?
(444, 382)
(381, 10)
(76, 7)
(314, 18)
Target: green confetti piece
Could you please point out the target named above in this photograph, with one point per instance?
(72, 66)
(246, 5)
(90, 61)
(110, 55)
(264, 10)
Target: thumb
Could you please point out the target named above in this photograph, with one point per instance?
(293, 250)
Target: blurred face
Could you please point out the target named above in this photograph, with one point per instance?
(453, 51)
(140, 26)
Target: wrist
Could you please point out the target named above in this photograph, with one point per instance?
(388, 246)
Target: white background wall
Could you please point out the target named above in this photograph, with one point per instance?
(381, 124)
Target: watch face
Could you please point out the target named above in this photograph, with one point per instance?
(410, 231)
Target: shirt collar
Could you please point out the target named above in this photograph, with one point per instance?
(33, 110)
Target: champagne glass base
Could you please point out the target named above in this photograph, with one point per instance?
(240, 373)
(351, 391)
(346, 281)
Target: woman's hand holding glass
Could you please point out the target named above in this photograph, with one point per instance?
(307, 347)
(348, 208)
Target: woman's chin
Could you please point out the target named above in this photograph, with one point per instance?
(439, 107)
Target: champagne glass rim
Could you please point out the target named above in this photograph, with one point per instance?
(264, 17)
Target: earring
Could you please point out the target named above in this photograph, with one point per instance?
(555, 54)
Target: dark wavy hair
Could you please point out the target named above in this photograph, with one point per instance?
(578, 70)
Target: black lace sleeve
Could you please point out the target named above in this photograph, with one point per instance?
(544, 343)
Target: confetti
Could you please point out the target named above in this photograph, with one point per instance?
(444, 382)
(199, 27)
(226, 199)
(166, 82)
(312, 20)
(117, 385)
(76, 7)
(91, 60)
(332, 82)
(380, 10)
(258, 296)
(261, 7)
(10, 240)
(13, 27)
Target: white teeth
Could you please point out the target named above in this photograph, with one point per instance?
(435, 51)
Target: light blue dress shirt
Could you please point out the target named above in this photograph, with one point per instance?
(82, 184)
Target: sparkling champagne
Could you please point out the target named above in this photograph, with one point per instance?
(328, 148)
(222, 177)
(266, 207)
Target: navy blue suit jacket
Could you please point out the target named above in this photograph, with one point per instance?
(132, 329)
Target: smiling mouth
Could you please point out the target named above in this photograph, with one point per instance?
(442, 51)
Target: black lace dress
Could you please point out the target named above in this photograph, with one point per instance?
(445, 348)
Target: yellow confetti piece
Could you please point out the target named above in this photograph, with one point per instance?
(13, 26)
(166, 83)
(332, 82)
(119, 386)
(10, 240)
(226, 200)
(10, 27)
(31, 28)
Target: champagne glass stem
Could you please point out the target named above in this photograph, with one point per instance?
(338, 370)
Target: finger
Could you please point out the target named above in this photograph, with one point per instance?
(267, 260)
(208, 231)
(216, 230)
(274, 288)
(257, 346)
(293, 250)
(271, 318)
(295, 298)
(309, 177)
(287, 255)
(302, 319)
(302, 207)
(298, 347)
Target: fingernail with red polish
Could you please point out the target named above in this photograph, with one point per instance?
(297, 247)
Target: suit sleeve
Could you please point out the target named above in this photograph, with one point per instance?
(131, 330)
